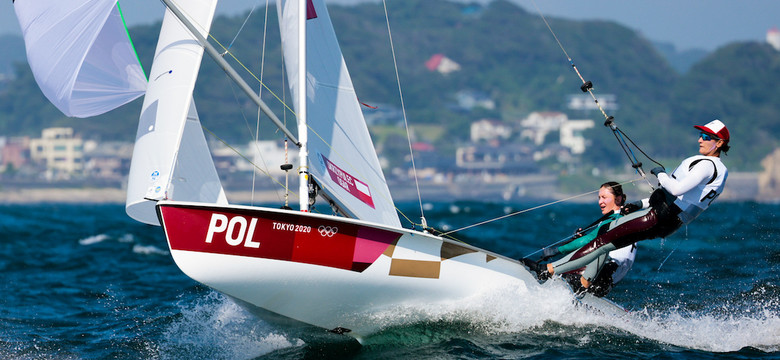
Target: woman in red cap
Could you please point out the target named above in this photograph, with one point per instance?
(680, 198)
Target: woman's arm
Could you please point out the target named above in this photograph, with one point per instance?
(699, 173)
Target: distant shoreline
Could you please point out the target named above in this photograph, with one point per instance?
(62, 195)
(110, 196)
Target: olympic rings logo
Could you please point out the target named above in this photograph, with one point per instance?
(328, 231)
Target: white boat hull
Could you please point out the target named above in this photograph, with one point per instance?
(336, 273)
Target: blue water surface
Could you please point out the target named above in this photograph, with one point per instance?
(87, 282)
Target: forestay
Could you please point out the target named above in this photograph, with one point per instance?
(171, 159)
(341, 154)
(80, 54)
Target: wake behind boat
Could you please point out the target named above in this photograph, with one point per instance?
(333, 272)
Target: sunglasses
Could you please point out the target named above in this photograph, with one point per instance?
(707, 137)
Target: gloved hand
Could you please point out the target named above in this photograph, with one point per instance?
(631, 207)
(577, 233)
(657, 170)
(550, 252)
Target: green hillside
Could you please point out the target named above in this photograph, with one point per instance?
(503, 51)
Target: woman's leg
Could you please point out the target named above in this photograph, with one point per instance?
(632, 228)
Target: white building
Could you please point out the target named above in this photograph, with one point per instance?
(442, 64)
(538, 124)
(571, 135)
(489, 130)
(107, 160)
(773, 38)
(585, 102)
(470, 99)
(59, 150)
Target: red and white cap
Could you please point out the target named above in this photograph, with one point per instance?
(717, 128)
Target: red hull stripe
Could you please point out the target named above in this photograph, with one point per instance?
(270, 235)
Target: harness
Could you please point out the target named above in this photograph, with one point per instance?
(714, 176)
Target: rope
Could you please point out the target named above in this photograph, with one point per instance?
(244, 24)
(242, 156)
(403, 111)
(532, 209)
(519, 212)
(288, 108)
(256, 132)
(670, 253)
(587, 86)
(282, 102)
(259, 94)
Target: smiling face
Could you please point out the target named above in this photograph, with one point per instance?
(607, 200)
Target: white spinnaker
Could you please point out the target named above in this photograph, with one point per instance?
(342, 157)
(171, 157)
(80, 54)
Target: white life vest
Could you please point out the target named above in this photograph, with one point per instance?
(694, 201)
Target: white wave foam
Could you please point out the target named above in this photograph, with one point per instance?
(216, 327)
(509, 310)
(758, 327)
(127, 238)
(149, 250)
(94, 239)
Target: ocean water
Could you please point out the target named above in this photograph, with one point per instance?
(87, 282)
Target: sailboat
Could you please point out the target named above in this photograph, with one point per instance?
(335, 272)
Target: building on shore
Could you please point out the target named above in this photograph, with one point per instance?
(60, 151)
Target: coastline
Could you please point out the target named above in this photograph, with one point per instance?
(62, 195)
(743, 187)
(105, 195)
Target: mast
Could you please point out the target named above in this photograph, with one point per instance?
(303, 151)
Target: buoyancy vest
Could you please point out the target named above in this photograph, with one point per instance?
(696, 200)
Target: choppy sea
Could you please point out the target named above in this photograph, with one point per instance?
(87, 282)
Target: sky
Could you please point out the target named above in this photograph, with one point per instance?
(687, 24)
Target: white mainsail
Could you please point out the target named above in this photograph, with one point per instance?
(80, 54)
(341, 154)
(171, 157)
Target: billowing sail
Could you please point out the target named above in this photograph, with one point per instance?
(341, 154)
(171, 159)
(80, 54)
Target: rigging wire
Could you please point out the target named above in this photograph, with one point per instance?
(244, 24)
(424, 224)
(256, 132)
(263, 85)
(284, 121)
(242, 155)
(620, 136)
(668, 256)
(259, 92)
(587, 86)
(286, 107)
(406, 123)
(532, 209)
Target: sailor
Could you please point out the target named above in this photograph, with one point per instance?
(613, 267)
(680, 198)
